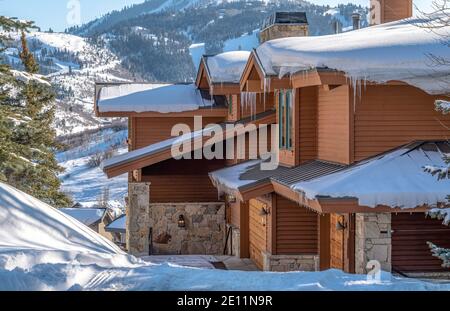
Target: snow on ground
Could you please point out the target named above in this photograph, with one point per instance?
(44, 249)
(397, 51)
(86, 184)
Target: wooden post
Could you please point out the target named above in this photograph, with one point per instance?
(244, 230)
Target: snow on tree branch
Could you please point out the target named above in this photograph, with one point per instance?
(442, 106)
(441, 253)
(441, 214)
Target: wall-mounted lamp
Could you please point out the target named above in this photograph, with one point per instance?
(181, 222)
(341, 225)
(263, 213)
(231, 198)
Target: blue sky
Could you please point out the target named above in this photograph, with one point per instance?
(54, 13)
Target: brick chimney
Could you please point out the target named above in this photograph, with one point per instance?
(284, 24)
(384, 11)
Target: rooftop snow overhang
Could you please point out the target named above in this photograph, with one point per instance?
(394, 181)
(205, 81)
(87, 216)
(206, 110)
(116, 226)
(162, 151)
(244, 181)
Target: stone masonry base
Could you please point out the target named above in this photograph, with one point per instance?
(284, 263)
(373, 240)
(204, 233)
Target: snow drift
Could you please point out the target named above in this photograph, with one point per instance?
(27, 223)
(397, 51)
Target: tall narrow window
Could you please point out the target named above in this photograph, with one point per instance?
(281, 118)
(230, 104)
(289, 123)
(285, 119)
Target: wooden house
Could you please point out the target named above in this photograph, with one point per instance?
(184, 215)
(351, 186)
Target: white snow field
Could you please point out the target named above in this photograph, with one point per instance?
(44, 249)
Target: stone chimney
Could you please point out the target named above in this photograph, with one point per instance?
(356, 18)
(384, 11)
(284, 24)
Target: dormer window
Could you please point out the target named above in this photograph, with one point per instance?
(285, 119)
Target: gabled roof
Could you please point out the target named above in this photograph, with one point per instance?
(222, 72)
(397, 51)
(87, 216)
(395, 179)
(125, 99)
(118, 225)
(162, 150)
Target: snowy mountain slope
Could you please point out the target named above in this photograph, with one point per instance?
(73, 65)
(86, 183)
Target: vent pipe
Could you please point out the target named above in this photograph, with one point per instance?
(337, 27)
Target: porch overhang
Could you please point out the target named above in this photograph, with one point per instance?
(392, 182)
(161, 151)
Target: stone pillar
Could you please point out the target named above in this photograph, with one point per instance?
(286, 263)
(373, 240)
(138, 218)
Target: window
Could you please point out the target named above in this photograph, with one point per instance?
(285, 118)
(230, 104)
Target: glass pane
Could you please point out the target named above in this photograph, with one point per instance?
(289, 119)
(281, 109)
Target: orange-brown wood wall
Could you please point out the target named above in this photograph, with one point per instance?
(333, 130)
(296, 229)
(391, 115)
(182, 181)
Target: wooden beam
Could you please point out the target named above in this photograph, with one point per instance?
(324, 241)
(256, 191)
(244, 228)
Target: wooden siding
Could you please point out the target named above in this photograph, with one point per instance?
(147, 131)
(308, 124)
(296, 229)
(334, 124)
(410, 252)
(182, 181)
(389, 116)
(393, 10)
(336, 243)
(257, 232)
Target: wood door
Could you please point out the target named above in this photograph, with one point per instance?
(336, 242)
(410, 234)
(342, 242)
(257, 232)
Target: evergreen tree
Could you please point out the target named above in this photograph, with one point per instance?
(27, 159)
(27, 57)
(442, 8)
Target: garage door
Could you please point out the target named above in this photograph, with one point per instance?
(410, 252)
(257, 232)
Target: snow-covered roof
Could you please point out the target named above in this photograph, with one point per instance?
(151, 149)
(27, 223)
(118, 225)
(396, 51)
(230, 177)
(87, 216)
(396, 179)
(162, 98)
(227, 67)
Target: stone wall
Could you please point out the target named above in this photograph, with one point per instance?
(284, 263)
(283, 31)
(204, 232)
(138, 218)
(234, 241)
(373, 240)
